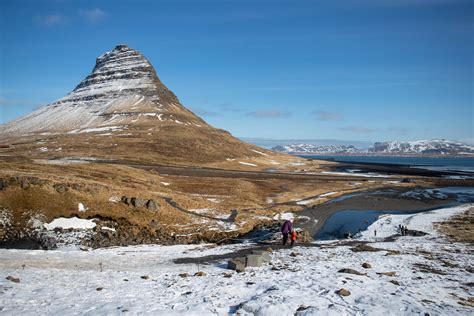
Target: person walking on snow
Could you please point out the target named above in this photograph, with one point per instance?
(286, 228)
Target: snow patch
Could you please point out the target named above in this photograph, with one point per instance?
(67, 223)
(248, 164)
(259, 152)
(81, 207)
(284, 216)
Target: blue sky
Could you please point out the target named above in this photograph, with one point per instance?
(367, 70)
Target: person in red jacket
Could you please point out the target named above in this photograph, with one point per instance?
(293, 237)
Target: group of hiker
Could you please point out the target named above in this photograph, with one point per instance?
(403, 230)
(288, 231)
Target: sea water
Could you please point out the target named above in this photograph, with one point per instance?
(433, 163)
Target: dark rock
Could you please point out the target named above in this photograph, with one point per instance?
(35, 180)
(294, 254)
(366, 265)
(13, 279)
(151, 205)
(394, 282)
(60, 188)
(184, 275)
(3, 184)
(351, 271)
(343, 292)
(137, 202)
(125, 200)
(364, 247)
(302, 308)
(14, 180)
(145, 277)
(25, 184)
(99, 288)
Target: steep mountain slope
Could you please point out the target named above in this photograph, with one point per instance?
(123, 88)
(122, 111)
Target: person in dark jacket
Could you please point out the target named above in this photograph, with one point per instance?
(286, 228)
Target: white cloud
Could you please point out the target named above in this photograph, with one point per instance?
(327, 116)
(49, 20)
(268, 113)
(93, 15)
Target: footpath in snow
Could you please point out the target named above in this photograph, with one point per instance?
(418, 275)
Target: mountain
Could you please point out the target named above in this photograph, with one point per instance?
(299, 149)
(122, 89)
(122, 111)
(420, 147)
(424, 147)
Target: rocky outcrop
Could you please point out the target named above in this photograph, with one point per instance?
(138, 202)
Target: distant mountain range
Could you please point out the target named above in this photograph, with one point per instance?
(420, 147)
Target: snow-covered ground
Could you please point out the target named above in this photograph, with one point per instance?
(143, 279)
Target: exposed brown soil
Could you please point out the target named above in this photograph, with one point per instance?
(459, 228)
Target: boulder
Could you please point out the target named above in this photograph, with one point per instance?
(24, 184)
(35, 180)
(137, 202)
(390, 274)
(60, 188)
(351, 271)
(343, 292)
(3, 184)
(263, 253)
(151, 205)
(365, 248)
(237, 264)
(13, 279)
(253, 261)
(125, 200)
(366, 265)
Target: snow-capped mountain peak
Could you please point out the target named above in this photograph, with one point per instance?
(433, 147)
(122, 89)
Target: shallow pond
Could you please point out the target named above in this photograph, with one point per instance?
(350, 221)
